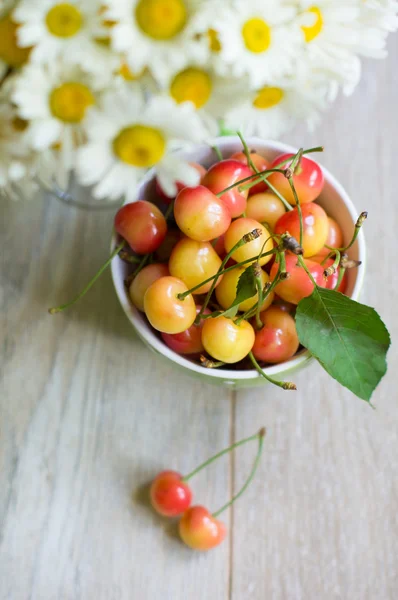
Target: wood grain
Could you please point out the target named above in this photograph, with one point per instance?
(89, 415)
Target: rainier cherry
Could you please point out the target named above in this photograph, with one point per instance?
(222, 175)
(277, 340)
(193, 262)
(170, 495)
(315, 227)
(200, 530)
(334, 238)
(142, 225)
(164, 310)
(265, 208)
(188, 341)
(226, 341)
(298, 285)
(226, 290)
(260, 163)
(252, 249)
(180, 186)
(143, 280)
(308, 180)
(200, 214)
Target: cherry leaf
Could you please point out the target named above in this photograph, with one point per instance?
(245, 289)
(348, 338)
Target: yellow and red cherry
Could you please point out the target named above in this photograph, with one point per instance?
(331, 281)
(170, 495)
(145, 278)
(315, 227)
(226, 290)
(334, 238)
(298, 285)
(226, 341)
(265, 208)
(142, 225)
(164, 311)
(252, 249)
(224, 174)
(165, 249)
(200, 530)
(188, 341)
(277, 341)
(260, 163)
(308, 180)
(180, 186)
(193, 262)
(200, 214)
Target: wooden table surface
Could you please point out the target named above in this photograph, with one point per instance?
(89, 416)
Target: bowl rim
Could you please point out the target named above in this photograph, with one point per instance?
(144, 330)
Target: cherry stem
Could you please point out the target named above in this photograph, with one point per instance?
(259, 284)
(339, 279)
(285, 385)
(218, 152)
(247, 153)
(260, 436)
(248, 237)
(225, 451)
(302, 264)
(292, 167)
(279, 195)
(115, 252)
(240, 264)
(169, 210)
(362, 217)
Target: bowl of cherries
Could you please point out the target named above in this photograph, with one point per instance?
(213, 278)
(250, 273)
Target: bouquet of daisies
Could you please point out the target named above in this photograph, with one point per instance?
(104, 89)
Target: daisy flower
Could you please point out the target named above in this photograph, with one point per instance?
(17, 161)
(128, 135)
(75, 30)
(209, 94)
(329, 32)
(273, 109)
(260, 39)
(11, 55)
(376, 19)
(155, 34)
(55, 99)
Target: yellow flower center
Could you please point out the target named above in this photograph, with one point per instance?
(161, 19)
(256, 35)
(314, 30)
(128, 74)
(64, 20)
(214, 42)
(70, 101)
(268, 97)
(191, 85)
(139, 146)
(10, 52)
(19, 124)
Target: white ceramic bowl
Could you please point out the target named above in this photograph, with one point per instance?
(334, 200)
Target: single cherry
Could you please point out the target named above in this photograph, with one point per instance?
(298, 285)
(252, 249)
(170, 495)
(142, 225)
(200, 214)
(193, 262)
(315, 227)
(188, 341)
(226, 290)
(223, 174)
(308, 180)
(200, 530)
(226, 341)
(164, 310)
(180, 186)
(260, 163)
(277, 341)
(265, 208)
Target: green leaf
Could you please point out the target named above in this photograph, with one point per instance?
(348, 338)
(245, 289)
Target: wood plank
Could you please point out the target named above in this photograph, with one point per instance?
(88, 417)
(320, 520)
